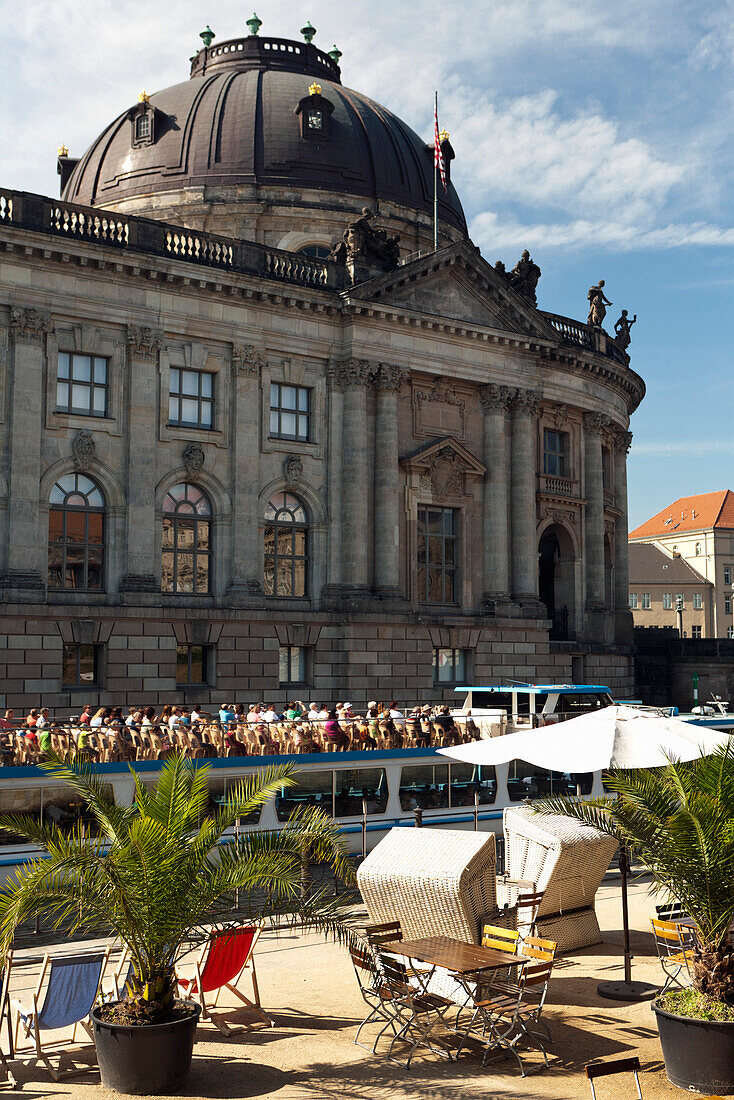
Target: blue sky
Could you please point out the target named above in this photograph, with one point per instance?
(597, 134)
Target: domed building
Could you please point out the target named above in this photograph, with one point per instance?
(260, 439)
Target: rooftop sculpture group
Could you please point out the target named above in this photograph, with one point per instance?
(365, 249)
(524, 276)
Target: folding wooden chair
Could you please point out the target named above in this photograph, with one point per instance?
(605, 1069)
(9, 1081)
(74, 983)
(374, 992)
(222, 962)
(674, 944)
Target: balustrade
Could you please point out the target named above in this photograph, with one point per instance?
(558, 486)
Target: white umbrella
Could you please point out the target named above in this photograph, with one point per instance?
(615, 737)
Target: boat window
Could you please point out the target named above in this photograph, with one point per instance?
(355, 785)
(538, 701)
(312, 789)
(221, 789)
(528, 781)
(492, 700)
(26, 800)
(466, 779)
(425, 787)
(572, 704)
(65, 807)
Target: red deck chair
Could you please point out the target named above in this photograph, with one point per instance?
(222, 962)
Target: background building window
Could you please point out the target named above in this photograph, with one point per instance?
(727, 574)
(679, 601)
(289, 411)
(292, 665)
(633, 600)
(555, 451)
(646, 601)
(667, 601)
(193, 665)
(727, 605)
(80, 666)
(81, 384)
(697, 632)
(697, 601)
(286, 546)
(437, 555)
(730, 631)
(191, 398)
(187, 544)
(699, 549)
(76, 535)
(450, 666)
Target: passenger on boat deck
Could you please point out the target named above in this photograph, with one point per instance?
(86, 715)
(226, 714)
(7, 722)
(254, 716)
(31, 719)
(444, 719)
(397, 716)
(270, 715)
(295, 710)
(335, 735)
(198, 715)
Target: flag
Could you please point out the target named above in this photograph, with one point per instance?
(437, 153)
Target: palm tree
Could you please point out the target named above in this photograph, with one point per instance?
(153, 872)
(679, 820)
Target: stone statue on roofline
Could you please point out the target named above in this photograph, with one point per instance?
(524, 277)
(598, 303)
(622, 330)
(365, 250)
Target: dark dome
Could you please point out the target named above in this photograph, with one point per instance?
(234, 122)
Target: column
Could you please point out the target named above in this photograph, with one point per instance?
(595, 426)
(524, 570)
(354, 376)
(495, 401)
(388, 383)
(246, 557)
(143, 346)
(622, 441)
(24, 576)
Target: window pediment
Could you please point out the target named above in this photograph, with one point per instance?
(443, 467)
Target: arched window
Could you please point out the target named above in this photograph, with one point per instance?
(315, 251)
(286, 546)
(76, 535)
(187, 541)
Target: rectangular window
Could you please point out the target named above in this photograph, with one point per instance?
(293, 664)
(313, 789)
(81, 384)
(352, 787)
(194, 665)
(699, 549)
(555, 452)
(679, 601)
(438, 555)
(450, 666)
(142, 127)
(667, 601)
(425, 787)
(470, 779)
(727, 574)
(697, 632)
(80, 666)
(646, 601)
(606, 468)
(697, 601)
(191, 399)
(730, 631)
(727, 605)
(290, 412)
(633, 600)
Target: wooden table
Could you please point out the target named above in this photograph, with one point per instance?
(454, 955)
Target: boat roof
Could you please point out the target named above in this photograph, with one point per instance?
(535, 689)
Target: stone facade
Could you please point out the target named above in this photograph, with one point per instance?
(409, 409)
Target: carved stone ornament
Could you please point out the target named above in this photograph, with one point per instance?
(609, 526)
(442, 391)
(493, 397)
(83, 450)
(389, 378)
(560, 415)
(29, 325)
(293, 469)
(143, 342)
(527, 402)
(193, 458)
(561, 515)
(622, 441)
(444, 476)
(247, 360)
(345, 373)
(596, 423)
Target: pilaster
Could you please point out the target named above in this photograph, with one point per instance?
(523, 514)
(624, 630)
(496, 401)
(388, 381)
(246, 554)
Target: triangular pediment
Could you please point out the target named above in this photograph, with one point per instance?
(456, 285)
(447, 448)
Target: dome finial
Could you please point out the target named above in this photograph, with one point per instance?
(144, 97)
(308, 32)
(254, 24)
(335, 54)
(63, 151)
(207, 36)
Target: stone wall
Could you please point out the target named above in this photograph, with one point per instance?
(665, 665)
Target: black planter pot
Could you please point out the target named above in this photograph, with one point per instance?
(148, 1059)
(699, 1054)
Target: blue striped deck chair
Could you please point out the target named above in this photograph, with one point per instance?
(74, 982)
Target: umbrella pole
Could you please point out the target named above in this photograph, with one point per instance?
(626, 990)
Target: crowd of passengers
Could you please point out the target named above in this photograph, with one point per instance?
(144, 733)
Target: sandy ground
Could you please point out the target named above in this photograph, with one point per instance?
(309, 989)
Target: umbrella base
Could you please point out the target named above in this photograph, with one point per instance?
(627, 991)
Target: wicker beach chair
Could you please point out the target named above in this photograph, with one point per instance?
(566, 862)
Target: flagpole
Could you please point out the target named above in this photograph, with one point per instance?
(435, 181)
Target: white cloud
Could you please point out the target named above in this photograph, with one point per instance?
(697, 448)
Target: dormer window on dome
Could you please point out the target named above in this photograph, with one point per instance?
(314, 112)
(143, 122)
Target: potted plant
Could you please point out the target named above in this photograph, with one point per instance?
(151, 874)
(679, 820)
